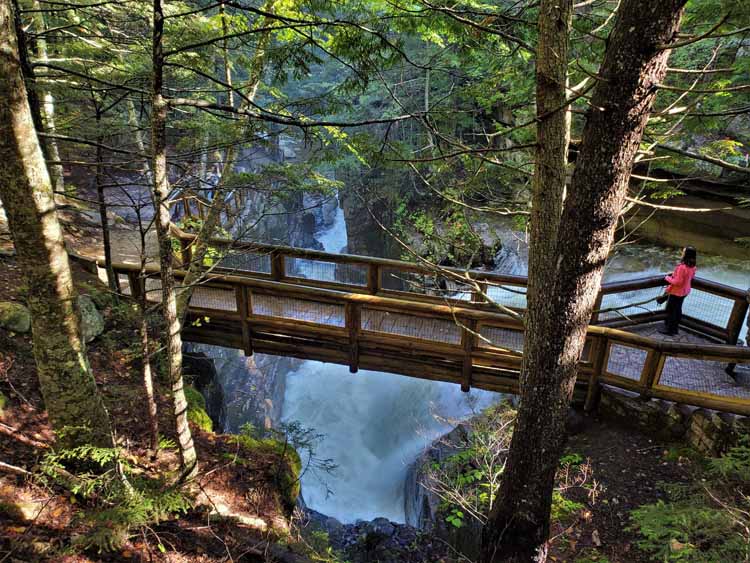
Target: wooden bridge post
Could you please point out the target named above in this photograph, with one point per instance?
(599, 357)
(373, 279)
(353, 320)
(242, 295)
(278, 267)
(137, 285)
(479, 296)
(736, 320)
(597, 306)
(186, 252)
(651, 368)
(468, 341)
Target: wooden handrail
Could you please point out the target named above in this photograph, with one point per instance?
(614, 335)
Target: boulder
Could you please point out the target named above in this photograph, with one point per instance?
(14, 317)
(379, 529)
(92, 322)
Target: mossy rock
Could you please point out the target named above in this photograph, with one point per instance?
(92, 322)
(99, 294)
(288, 478)
(196, 410)
(15, 317)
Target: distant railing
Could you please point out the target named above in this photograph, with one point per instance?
(388, 315)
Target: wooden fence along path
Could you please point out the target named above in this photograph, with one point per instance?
(403, 318)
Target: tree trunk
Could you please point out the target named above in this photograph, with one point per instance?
(200, 246)
(553, 137)
(112, 280)
(48, 107)
(74, 405)
(173, 338)
(634, 65)
(141, 297)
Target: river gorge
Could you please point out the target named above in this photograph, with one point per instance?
(372, 425)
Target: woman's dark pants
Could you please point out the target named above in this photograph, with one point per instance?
(674, 313)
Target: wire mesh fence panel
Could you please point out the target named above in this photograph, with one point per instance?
(708, 307)
(439, 330)
(513, 296)
(627, 303)
(500, 337)
(704, 376)
(298, 309)
(421, 283)
(124, 284)
(626, 361)
(247, 262)
(213, 298)
(333, 272)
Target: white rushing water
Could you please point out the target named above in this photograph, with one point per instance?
(375, 425)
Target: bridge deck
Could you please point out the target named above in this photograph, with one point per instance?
(690, 374)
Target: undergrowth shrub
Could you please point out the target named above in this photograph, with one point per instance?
(467, 482)
(117, 501)
(706, 520)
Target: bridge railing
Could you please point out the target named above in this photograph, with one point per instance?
(339, 308)
(713, 309)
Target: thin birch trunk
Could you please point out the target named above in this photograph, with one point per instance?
(48, 105)
(134, 122)
(112, 280)
(173, 338)
(70, 394)
(208, 229)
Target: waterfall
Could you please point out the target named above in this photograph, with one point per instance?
(375, 425)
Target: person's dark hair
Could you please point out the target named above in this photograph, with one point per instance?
(689, 256)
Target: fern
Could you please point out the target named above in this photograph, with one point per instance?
(119, 501)
(702, 523)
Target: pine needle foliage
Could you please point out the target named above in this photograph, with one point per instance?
(706, 520)
(117, 500)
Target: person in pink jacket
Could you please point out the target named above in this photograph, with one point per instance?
(679, 286)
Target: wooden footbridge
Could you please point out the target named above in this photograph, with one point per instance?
(444, 325)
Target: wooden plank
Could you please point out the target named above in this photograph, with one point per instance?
(136, 285)
(736, 321)
(278, 266)
(597, 306)
(480, 296)
(705, 400)
(651, 370)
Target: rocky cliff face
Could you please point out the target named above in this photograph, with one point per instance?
(423, 507)
(240, 389)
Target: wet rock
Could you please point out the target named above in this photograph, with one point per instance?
(379, 529)
(92, 322)
(378, 540)
(15, 317)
